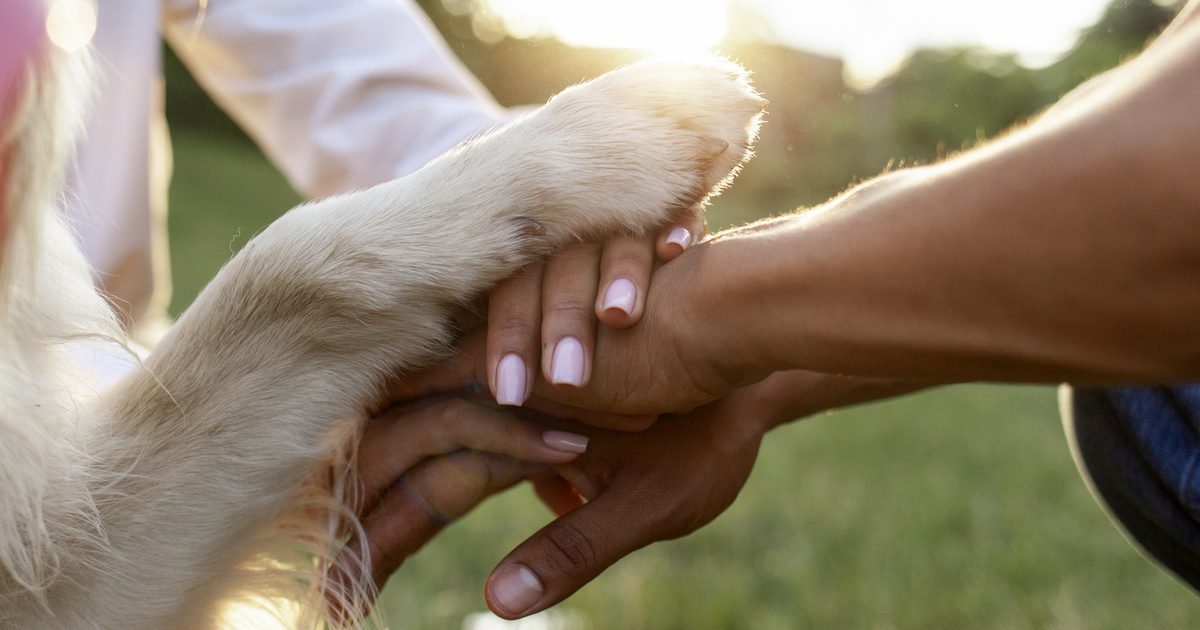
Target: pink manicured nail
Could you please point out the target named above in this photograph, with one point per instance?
(510, 381)
(621, 295)
(514, 588)
(566, 366)
(681, 237)
(566, 442)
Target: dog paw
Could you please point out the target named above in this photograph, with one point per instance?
(634, 147)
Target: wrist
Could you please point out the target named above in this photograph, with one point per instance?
(718, 321)
(776, 288)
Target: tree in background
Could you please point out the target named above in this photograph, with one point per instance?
(821, 134)
(945, 100)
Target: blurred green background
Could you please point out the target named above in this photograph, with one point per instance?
(957, 508)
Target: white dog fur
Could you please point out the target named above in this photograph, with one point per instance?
(190, 483)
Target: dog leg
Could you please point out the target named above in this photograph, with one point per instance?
(292, 340)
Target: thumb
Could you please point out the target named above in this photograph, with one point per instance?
(565, 555)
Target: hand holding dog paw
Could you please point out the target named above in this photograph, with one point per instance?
(641, 487)
(430, 462)
(560, 301)
(659, 484)
(667, 363)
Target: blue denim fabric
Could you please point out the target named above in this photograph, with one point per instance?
(1164, 423)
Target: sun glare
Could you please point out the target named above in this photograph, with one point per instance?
(872, 36)
(661, 26)
(70, 24)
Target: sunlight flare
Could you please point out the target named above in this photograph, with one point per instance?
(70, 24)
(660, 26)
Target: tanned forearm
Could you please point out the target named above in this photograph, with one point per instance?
(1068, 250)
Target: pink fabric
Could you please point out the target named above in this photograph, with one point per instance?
(22, 30)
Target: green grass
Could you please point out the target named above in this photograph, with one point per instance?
(223, 193)
(957, 508)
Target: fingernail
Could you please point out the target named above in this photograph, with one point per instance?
(681, 237)
(566, 442)
(621, 295)
(510, 381)
(515, 589)
(566, 366)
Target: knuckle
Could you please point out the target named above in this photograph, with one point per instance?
(452, 413)
(570, 310)
(575, 254)
(499, 471)
(673, 519)
(626, 262)
(570, 550)
(470, 472)
(513, 325)
(514, 300)
(518, 435)
(435, 432)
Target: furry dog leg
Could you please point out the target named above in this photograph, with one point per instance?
(258, 380)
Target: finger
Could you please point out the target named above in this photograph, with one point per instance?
(556, 493)
(463, 369)
(567, 554)
(513, 333)
(687, 231)
(396, 442)
(468, 366)
(429, 497)
(624, 278)
(568, 317)
(604, 420)
(433, 495)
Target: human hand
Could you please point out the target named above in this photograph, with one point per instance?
(660, 484)
(425, 464)
(560, 301)
(665, 364)
(643, 487)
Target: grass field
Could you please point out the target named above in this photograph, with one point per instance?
(957, 508)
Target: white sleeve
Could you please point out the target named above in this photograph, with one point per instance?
(340, 94)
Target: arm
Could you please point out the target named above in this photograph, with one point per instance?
(348, 94)
(340, 95)
(1065, 251)
(427, 464)
(269, 369)
(658, 484)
